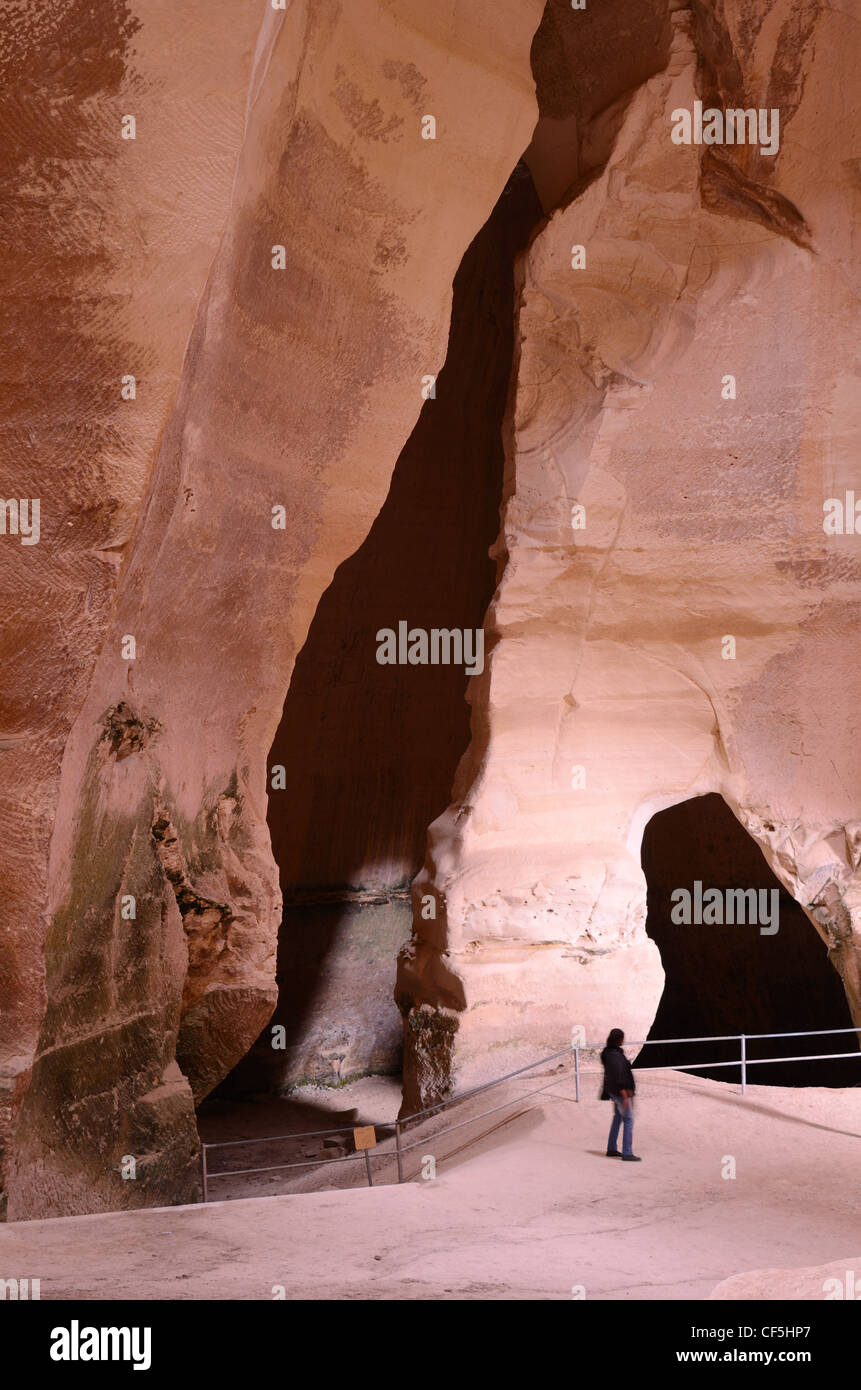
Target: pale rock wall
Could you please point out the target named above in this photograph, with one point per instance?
(833, 1282)
(107, 244)
(298, 389)
(703, 519)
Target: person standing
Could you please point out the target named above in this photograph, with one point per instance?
(619, 1087)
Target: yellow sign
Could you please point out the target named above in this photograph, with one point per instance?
(365, 1138)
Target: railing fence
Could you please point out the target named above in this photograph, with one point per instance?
(399, 1126)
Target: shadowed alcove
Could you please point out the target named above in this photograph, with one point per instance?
(729, 979)
(370, 750)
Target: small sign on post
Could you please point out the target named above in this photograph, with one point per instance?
(365, 1138)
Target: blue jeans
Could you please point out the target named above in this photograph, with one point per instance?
(622, 1116)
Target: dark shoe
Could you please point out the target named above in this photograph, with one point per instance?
(613, 1153)
(631, 1158)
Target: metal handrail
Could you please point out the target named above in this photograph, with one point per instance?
(576, 1048)
(730, 1037)
(405, 1148)
(305, 1134)
(476, 1090)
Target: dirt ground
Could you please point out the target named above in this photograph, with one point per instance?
(524, 1205)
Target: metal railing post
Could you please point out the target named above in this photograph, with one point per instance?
(576, 1071)
(398, 1147)
(743, 1063)
(203, 1172)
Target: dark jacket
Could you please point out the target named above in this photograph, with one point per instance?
(617, 1073)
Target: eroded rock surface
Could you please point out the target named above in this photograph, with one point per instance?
(272, 259)
(298, 388)
(612, 690)
(108, 242)
(833, 1282)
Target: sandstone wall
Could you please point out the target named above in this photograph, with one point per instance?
(149, 637)
(108, 242)
(298, 389)
(607, 695)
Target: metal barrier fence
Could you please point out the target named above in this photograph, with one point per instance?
(399, 1126)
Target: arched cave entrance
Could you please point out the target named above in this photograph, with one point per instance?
(370, 750)
(729, 979)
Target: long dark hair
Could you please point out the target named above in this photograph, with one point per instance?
(615, 1037)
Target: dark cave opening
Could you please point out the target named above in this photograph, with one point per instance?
(371, 750)
(735, 978)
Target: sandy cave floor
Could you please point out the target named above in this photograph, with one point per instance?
(524, 1206)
